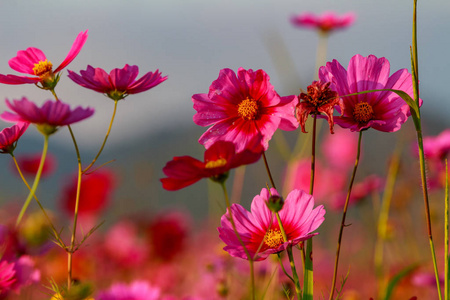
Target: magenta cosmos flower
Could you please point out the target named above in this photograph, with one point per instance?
(326, 22)
(436, 147)
(9, 136)
(259, 228)
(119, 83)
(383, 111)
(244, 109)
(137, 290)
(183, 171)
(33, 61)
(47, 118)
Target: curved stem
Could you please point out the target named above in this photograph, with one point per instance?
(250, 258)
(344, 213)
(55, 232)
(268, 170)
(106, 138)
(36, 181)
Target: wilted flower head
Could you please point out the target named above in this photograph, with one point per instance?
(384, 110)
(318, 99)
(259, 229)
(47, 118)
(119, 83)
(137, 290)
(221, 157)
(326, 22)
(243, 108)
(34, 62)
(9, 136)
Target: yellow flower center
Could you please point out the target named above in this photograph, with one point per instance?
(43, 69)
(363, 112)
(273, 238)
(216, 163)
(248, 109)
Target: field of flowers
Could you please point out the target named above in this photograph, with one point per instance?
(335, 225)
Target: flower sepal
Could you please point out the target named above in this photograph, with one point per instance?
(46, 129)
(221, 178)
(49, 82)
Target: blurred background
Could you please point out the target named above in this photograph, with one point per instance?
(190, 41)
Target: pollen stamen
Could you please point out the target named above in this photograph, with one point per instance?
(43, 68)
(273, 238)
(248, 109)
(216, 163)
(363, 112)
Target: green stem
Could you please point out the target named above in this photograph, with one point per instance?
(250, 258)
(383, 220)
(104, 141)
(55, 232)
(321, 56)
(268, 170)
(298, 289)
(308, 277)
(446, 262)
(344, 213)
(36, 181)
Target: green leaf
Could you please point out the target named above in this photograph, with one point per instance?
(395, 280)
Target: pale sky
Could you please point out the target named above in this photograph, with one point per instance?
(190, 41)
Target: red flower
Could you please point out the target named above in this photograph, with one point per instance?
(34, 62)
(183, 171)
(119, 83)
(29, 164)
(96, 189)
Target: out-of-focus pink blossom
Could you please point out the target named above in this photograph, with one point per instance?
(124, 245)
(326, 182)
(29, 164)
(326, 22)
(243, 108)
(371, 184)
(340, 149)
(383, 111)
(33, 61)
(10, 135)
(259, 229)
(7, 277)
(437, 147)
(119, 83)
(137, 290)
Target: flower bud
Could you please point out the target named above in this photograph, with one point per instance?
(275, 203)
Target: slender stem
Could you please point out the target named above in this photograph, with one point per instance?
(298, 289)
(55, 232)
(446, 232)
(36, 181)
(383, 220)
(308, 277)
(282, 268)
(344, 213)
(268, 170)
(250, 258)
(106, 138)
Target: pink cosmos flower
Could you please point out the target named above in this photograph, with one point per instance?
(119, 83)
(137, 290)
(243, 108)
(340, 148)
(259, 228)
(9, 136)
(7, 277)
(383, 111)
(326, 22)
(34, 62)
(51, 115)
(371, 184)
(183, 171)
